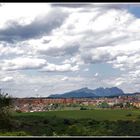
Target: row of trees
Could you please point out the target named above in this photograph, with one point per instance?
(59, 106)
(118, 105)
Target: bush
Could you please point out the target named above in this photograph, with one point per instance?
(46, 121)
(83, 108)
(67, 122)
(18, 111)
(5, 111)
(129, 114)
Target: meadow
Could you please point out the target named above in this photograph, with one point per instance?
(96, 114)
(96, 122)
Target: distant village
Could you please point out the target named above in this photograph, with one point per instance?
(48, 104)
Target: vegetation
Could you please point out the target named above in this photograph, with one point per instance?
(7, 121)
(100, 122)
(80, 123)
(97, 114)
(75, 106)
(103, 105)
(5, 111)
(86, 121)
(21, 133)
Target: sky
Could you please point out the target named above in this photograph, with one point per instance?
(53, 48)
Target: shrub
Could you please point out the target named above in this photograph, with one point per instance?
(129, 114)
(5, 111)
(67, 122)
(18, 111)
(83, 108)
(138, 117)
(46, 121)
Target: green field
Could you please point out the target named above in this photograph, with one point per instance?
(99, 114)
(96, 122)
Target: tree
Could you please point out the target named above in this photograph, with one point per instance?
(128, 105)
(104, 105)
(5, 110)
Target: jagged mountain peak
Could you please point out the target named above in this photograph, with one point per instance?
(86, 92)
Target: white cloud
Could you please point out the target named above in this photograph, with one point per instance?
(7, 79)
(87, 35)
(119, 81)
(96, 74)
(24, 13)
(22, 63)
(7, 50)
(59, 68)
(65, 78)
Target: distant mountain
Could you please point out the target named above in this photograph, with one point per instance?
(133, 94)
(80, 93)
(114, 91)
(89, 93)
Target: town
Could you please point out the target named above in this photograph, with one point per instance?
(48, 104)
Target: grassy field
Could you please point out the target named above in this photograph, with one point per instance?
(99, 122)
(107, 114)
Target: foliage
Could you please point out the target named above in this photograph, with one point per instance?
(129, 114)
(76, 123)
(83, 108)
(56, 126)
(20, 133)
(5, 111)
(104, 105)
(120, 105)
(18, 111)
(5, 100)
(138, 117)
(79, 123)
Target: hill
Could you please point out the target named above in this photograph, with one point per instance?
(89, 93)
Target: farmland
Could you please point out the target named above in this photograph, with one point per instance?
(99, 114)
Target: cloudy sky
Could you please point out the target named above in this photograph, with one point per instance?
(52, 48)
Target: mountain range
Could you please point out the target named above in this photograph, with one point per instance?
(90, 93)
